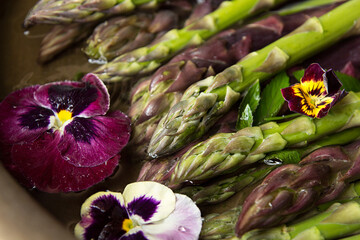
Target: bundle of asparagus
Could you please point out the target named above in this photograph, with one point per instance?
(204, 102)
(147, 59)
(292, 189)
(153, 98)
(122, 34)
(320, 177)
(227, 152)
(339, 220)
(110, 35)
(223, 189)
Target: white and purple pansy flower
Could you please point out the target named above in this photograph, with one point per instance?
(58, 137)
(145, 211)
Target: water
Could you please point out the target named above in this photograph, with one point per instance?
(273, 162)
(182, 229)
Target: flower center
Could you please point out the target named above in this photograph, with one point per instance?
(64, 116)
(127, 225)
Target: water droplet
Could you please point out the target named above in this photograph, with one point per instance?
(273, 162)
(182, 229)
(189, 182)
(97, 61)
(153, 155)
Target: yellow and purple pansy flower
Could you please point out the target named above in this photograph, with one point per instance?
(316, 93)
(145, 211)
(58, 137)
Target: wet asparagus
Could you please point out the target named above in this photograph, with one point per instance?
(152, 99)
(145, 60)
(227, 152)
(225, 188)
(204, 102)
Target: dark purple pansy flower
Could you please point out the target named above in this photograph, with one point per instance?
(59, 136)
(145, 211)
(316, 93)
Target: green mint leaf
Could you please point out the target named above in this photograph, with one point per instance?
(248, 106)
(246, 119)
(349, 83)
(299, 74)
(283, 157)
(271, 98)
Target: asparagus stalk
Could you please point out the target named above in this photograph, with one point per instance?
(70, 11)
(123, 34)
(226, 152)
(225, 188)
(205, 101)
(153, 99)
(340, 220)
(146, 59)
(219, 226)
(61, 37)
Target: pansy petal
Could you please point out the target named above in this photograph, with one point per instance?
(87, 98)
(334, 83)
(313, 73)
(43, 166)
(148, 201)
(134, 234)
(22, 118)
(184, 223)
(103, 101)
(55, 95)
(102, 215)
(88, 142)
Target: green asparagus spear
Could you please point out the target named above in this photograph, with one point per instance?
(219, 226)
(206, 101)
(225, 188)
(69, 11)
(146, 59)
(226, 152)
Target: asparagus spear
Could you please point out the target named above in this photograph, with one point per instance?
(123, 34)
(226, 152)
(69, 11)
(204, 102)
(340, 220)
(62, 37)
(225, 188)
(154, 98)
(146, 59)
(220, 226)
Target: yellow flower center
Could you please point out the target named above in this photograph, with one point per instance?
(127, 225)
(64, 116)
